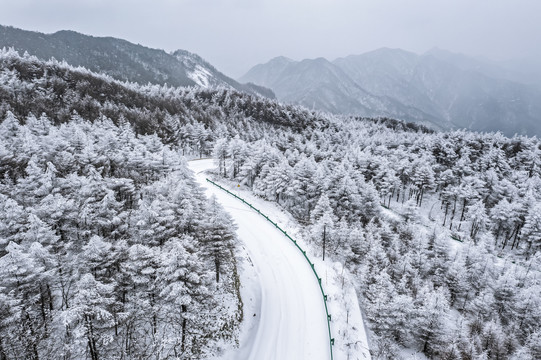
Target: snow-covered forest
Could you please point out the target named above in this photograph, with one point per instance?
(109, 249)
(441, 230)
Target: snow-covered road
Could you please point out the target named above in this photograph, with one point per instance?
(288, 321)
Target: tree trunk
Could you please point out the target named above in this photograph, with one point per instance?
(463, 212)
(42, 308)
(91, 339)
(515, 240)
(474, 230)
(446, 211)
(154, 316)
(33, 335)
(324, 238)
(498, 232)
(183, 339)
(223, 164)
(506, 238)
(452, 214)
(217, 265)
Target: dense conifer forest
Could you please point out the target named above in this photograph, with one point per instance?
(109, 250)
(441, 231)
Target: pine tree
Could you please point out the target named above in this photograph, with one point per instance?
(237, 152)
(220, 153)
(217, 240)
(479, 219)
(14, 222)
(90, 318)
(185, 295)
(493, 339)
(139, 296)
(278, 181)
(323, 206)
(20, 280)
(423, 178)
(300, 188)
(531, 232)
(379, 295)
(430, 321)
(534, 344)
(505, 296)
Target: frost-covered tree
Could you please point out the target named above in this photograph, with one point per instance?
(531, 232)
(220, 153)
(89, 318)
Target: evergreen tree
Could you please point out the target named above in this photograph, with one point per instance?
(90, 318)
(531, 231)
(217, 240)
(430, 322)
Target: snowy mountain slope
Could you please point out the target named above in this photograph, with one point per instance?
(448, 88)
(122, 59)
(438, 88)
(320, 84)
(387, 72)
(204, 75)
(289, 321)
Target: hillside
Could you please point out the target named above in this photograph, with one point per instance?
(439, 232)
(32, 86)
(123, 60)
(439, 89)
(108, 248)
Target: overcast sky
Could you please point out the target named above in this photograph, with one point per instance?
(234, 35)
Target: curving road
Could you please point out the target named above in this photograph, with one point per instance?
(289, 316)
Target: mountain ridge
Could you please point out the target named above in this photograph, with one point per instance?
(320, 84)
(122, 59)
(438, 89)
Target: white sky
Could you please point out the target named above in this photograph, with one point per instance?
(234, 35)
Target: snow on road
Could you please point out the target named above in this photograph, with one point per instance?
(283, 307)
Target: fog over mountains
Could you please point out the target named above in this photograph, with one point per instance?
(439, 89)
(123, 60)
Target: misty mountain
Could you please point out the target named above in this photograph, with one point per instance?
(439, 89)
(123, 60)
(320, 84)
(508, 70)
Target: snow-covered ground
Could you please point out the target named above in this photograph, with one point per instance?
(201, 76)
(283, 307)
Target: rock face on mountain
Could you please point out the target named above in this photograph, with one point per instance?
(123, 60)
(439, 89)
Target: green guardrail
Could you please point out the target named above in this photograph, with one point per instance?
(331, 339)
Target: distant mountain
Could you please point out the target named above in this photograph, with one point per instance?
(123, 60)
(439, 89)
(320, 84)
(525, 71)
